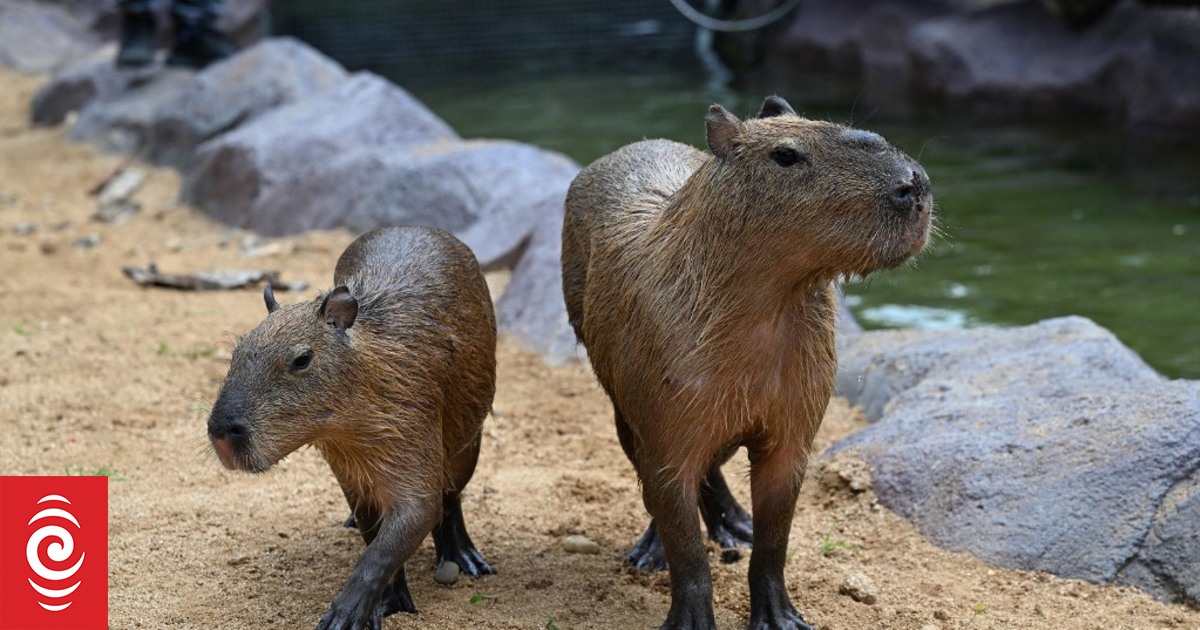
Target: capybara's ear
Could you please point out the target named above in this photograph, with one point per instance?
(339, 308)
(269, 298)
(722, 128)
(774, 105)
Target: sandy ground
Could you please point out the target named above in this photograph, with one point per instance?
(100, 373)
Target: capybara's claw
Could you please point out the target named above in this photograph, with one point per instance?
(350, 617)
(471, 562)
(780, 615)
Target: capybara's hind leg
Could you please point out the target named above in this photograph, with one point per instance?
(727, 522)
(397, 598)
(775, 477)
(647, 553)
(452, 543)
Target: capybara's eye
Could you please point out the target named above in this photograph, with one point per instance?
(301, 362)
(786, 156)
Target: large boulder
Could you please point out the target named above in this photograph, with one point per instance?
(162, 114)
(40, 37)
(121, 123)
(367, 155)
(532, 308)
(92, 79)
(224, 95)
(1051, 447)
(1137, 64)
(865, 37)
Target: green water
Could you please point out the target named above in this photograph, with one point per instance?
(1037, 222)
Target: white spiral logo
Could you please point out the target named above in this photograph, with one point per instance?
(59, 551)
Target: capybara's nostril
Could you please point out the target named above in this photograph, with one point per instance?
(226, 428)
(912, 188)
(237, 430)
(904, 198)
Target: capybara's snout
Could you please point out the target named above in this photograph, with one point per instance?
(228, 432)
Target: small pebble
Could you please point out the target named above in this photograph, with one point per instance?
(447, 573)
(87, 242)
(24, 228)
(860, 588)
(48, 247)
(580, 544)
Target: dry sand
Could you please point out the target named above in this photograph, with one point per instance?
(98, 372)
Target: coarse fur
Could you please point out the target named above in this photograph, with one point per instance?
(701, 286)
(390, 375)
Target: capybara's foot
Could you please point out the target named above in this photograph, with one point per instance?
(468, 559)
(396, 598)
(728, 523)
(731, 529)
(452, 543)
(648, 553)
(693, 615)
(352, 613)
(777, 615)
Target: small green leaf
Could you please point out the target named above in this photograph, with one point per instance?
(480, 597)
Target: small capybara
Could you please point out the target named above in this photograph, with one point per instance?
(701, 286)
(390, 376)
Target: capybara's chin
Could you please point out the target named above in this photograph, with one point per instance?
(244, 457)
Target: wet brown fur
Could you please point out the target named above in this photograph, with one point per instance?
(394, 397)
(701, 287)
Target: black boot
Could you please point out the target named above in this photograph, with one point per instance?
(197, 41)
(138, 34)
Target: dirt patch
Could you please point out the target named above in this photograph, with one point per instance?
(99, 372)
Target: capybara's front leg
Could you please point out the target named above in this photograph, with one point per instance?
(360, 604)
(775, 477)
(672, 503)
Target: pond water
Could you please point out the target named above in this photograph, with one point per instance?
(1037, 222)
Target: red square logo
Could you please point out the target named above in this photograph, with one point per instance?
(53, 553)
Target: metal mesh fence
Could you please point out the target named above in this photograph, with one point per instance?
(428, 36)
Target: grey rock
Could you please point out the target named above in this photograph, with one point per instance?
(447, 573)
(229, 93)
(121, 123)
(37, 37)
(860, 588)
(1138, 64)
(1051, 447)
(580, 544)
(93, 78)
(864, 37)
(532, 307)
(163, 114)
(264, 174)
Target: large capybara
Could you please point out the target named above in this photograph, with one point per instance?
(390, 376)
(701, 286)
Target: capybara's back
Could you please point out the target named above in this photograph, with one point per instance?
(701, 286)
(617, 197)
